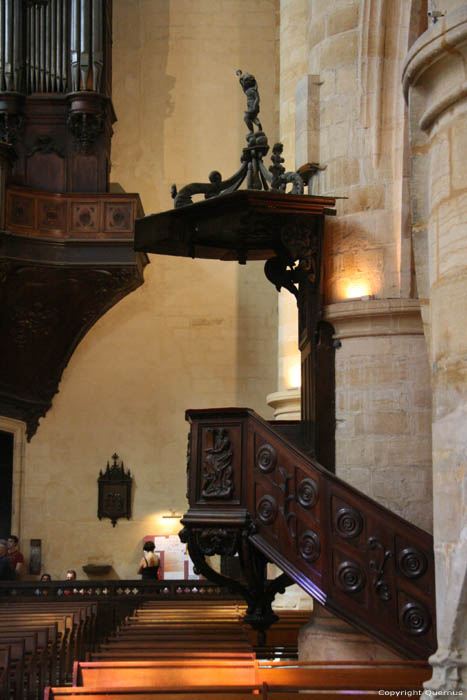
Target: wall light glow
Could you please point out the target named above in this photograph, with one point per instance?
(294, 376)
(357, 288)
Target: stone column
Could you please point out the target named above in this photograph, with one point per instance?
(383, 404)
(286, 400)
(434, 83)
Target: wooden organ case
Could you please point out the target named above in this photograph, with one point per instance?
(66, 242)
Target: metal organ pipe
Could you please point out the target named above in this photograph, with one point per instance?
(54, 46)
(97, 44)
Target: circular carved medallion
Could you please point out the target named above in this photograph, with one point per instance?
(415, 618)
(412, 562)
(307, 493)
(309, 546)
(350, 577)
(267, 509)
(348, 522)
(266, 458)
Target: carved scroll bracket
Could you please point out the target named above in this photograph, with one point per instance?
(11, 117)
(256, 590)
(86, 120)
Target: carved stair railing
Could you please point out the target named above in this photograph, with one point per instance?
(252, 492)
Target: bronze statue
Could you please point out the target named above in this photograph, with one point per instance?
(250, 88)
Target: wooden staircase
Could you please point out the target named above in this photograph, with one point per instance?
(252, 491)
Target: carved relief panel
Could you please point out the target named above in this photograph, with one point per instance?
(217, 451)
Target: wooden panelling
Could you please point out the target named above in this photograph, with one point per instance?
(71, 216)
(363, 562)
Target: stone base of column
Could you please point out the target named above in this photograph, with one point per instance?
(286, 404)
(449, 673)
(326, 638)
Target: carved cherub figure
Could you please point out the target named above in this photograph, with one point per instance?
(250, 88)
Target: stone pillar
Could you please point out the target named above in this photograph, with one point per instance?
(434, 84)
(326, 638)
(286, 400)
(383, 404)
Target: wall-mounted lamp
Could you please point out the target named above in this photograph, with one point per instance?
(358, 289)
(172, 515)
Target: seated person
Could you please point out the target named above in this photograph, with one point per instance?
(46, 577)
(71, 575)
(6, 572)
(15, 557)
(149, 564)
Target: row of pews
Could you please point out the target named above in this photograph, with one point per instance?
(202, 650)
(40, 643)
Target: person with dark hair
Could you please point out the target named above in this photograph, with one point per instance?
(6, 572)
(71, 575)
(149, 564)
(15, 557)
(46, 577)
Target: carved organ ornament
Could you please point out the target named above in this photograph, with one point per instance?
(66, 243)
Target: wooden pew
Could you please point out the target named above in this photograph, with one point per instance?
(54, 635)
(315, 676)
(336, 676)
(17, 655)
(5, 670)
(117, 654)
(81, 632)
(33, 659)
(169, 673)
(51, 636)
(210, 692)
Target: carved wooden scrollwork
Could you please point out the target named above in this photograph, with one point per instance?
(257, 591)
(217, 540)
(85, 128)
(307, 492)
(309, 546)
(217, 473)
(45, 144)
(10, 127)
(348, 523)
(350, 577)
(415, 618)
(301, 242)
(377, 565)
(266, 458)
(267, 509)
(412, 562)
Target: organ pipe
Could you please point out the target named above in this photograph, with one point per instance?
(52, 45)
